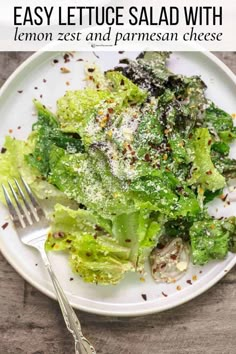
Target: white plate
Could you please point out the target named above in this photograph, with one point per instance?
(16, 110)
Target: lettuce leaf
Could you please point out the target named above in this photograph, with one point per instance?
(209, 240)
(94, 255)
(204, 172)
(46, 134)
(139, 232)
(87, 179)
(14, 163)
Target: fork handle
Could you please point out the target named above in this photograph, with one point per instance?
(82, 345)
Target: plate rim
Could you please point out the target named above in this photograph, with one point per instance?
(139, 312)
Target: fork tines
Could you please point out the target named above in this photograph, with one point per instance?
(26, 210)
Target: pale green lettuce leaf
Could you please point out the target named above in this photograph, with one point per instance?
(94, 255)
(204, 172)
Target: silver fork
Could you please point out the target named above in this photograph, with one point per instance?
(32, 227)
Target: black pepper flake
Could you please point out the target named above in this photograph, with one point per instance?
(4, 226)
(80, 59)
(3, 150)
(36, 264)
(224, 197)
(88, 254)
(147, 158)
(36, 88)
(91, 70)
(71, 279)
(19, 127)
(164, 294)
(96, 55)
(41, 96)
(20, 91)
(66, 58)
(55, 61)
(144, 296)
(121, 52)
(98, 228)
(128, 240)
(189, 282)
(209, 142)
(122, 82)
(44, 80)
(59, 234)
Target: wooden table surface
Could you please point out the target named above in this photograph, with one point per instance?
(31, 323)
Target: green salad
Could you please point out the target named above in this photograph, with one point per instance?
(129, 165)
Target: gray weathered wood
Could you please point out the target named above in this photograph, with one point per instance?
(31, 323)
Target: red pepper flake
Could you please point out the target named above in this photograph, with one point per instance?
(173, 256)
(3, 150)
(10, 131)
(132, 152)
(209, 142)
(110, 110)
(67, 83)
(209, 172)
(133, 160)
(144, 296)
(19, 127)
(127, 240)
(4, 226)
(189, 282)
(91, 78)
(129, 147)
(178, 287)
(228, 202)
(71, 279)
(163, 265)
(164, 294)
(55, 61)
(44, 80)
(20, 91)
